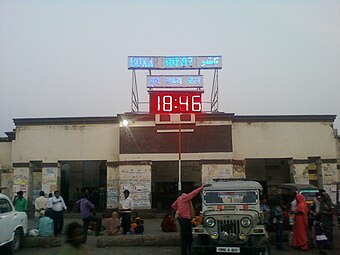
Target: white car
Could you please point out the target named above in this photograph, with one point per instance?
(13, 225)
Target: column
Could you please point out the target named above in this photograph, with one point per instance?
(112, 185)
(50, 177)
(22, 177)
(330, 177)
(136, 177)
(216, 170)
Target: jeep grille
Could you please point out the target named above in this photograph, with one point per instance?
(228, 229)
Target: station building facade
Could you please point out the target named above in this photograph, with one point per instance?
(69, 154)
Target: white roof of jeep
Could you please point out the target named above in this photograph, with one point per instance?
(230, 184)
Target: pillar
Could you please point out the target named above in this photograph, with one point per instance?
(50, 177)
(22, 178)
(216, 169)
(112, 185)
(136, 177)
(330, 177)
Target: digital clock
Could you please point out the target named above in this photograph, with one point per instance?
(175, 101)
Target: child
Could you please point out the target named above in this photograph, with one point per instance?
(137, 224)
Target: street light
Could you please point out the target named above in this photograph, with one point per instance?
(125, 123)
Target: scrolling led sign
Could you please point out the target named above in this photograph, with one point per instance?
(174, 81)
(175, 62)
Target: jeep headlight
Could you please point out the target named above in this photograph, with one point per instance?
(245, 222)
(210, 222)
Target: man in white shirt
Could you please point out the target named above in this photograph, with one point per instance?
(58, 207)
(40, 205)
(126, 209)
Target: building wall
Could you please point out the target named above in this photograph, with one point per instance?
(5, 155)
(125, 149)
(298, 140)
(50, 143)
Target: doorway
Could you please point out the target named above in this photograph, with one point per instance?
(164, 181)
(270, 173)
(80, 176)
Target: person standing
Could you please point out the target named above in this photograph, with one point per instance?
(20, 203)
(40, 205)
(300, 240)
(279, 221)
(86, 208)
(326, 211)
(265, 210)
(182, 206)
(126, 209)
(58, 207)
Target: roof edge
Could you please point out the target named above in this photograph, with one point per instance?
(65, 120)
(284, 118)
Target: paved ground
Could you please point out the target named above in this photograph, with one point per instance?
(152, 226)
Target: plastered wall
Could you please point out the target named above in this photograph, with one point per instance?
(5, 155)
(51, 143)
(298, 140)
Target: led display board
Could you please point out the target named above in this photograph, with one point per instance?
(174, 81)
(174, 62)
(175, 101)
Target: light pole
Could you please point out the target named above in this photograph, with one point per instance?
(179, 158)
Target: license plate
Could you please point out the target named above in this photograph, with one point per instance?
(228, 249)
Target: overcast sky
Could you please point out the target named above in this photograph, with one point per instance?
(69, 58)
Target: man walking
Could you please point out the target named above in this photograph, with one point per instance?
(85, 212)
(58, 207)
(182, 206)
(40, 205)
(126, 209)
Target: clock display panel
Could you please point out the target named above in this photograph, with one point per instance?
(175, 102)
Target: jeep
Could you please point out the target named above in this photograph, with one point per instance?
(232, 221)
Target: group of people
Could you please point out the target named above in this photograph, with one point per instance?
(48, 212)
(321, 230)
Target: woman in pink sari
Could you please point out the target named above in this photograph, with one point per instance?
(113, 225)
(300, 240)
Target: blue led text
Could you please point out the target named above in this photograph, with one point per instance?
(178, 62)
(210, 62)
(138, 62)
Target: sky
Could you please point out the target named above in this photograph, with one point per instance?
(68, 58)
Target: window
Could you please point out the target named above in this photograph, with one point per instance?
(230, 197)
(5, 206)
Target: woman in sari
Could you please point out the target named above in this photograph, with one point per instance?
(113, 225)
(300, 240)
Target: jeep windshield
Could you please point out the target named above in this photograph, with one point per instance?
(230, 197)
